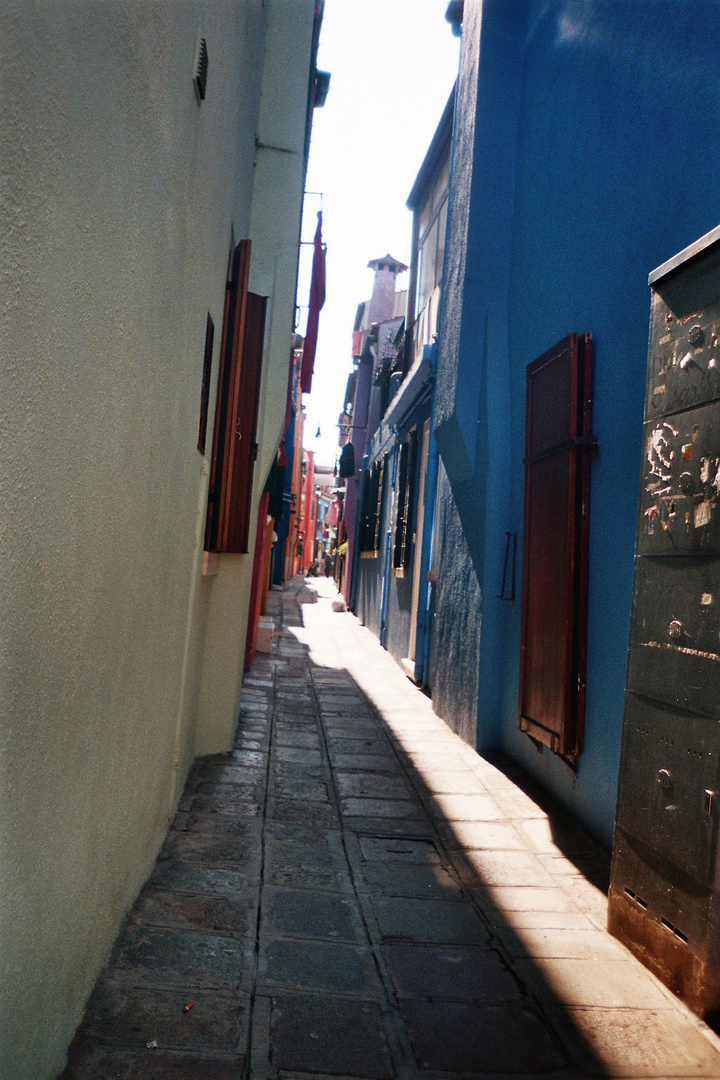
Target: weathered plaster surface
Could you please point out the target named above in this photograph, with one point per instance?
(119, 194)
(456, 620)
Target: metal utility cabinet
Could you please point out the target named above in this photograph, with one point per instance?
(665, 884)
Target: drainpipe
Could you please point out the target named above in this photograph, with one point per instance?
(425, 598)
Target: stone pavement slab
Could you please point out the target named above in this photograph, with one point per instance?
(450, 973)
(456, 1037)
(329, 1037)
(353, 892)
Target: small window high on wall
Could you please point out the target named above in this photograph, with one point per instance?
(559, 448)
(234, 443)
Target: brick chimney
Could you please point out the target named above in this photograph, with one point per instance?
(382, 302)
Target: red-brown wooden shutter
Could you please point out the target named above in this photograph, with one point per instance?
(554, 595)
(234, 445)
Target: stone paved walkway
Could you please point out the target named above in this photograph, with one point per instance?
(352, 892)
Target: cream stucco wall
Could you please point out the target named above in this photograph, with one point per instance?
(120, 197)
(274, 231)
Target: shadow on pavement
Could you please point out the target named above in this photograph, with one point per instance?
(351, 892)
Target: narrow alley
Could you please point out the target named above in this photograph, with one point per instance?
(353, 892)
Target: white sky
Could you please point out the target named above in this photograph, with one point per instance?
(392, 66)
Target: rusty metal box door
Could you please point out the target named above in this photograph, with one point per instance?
(684, 353)
(680, 487)
(675, 633)
(670, 761)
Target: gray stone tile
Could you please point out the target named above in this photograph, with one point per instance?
(303, 877)
(229, 825)
(377, 763)
(610, 984)
(510, 898)
(248, 757)
(329, 699)
(250, 741)
(330, 1037)
(420, 827)
(344, 729)
(515, 804)
(644, 1042)
(411, 879)
(464, 1038)
(301, 714)
(585, 895)
(306, 740)
(301, 787)
(130, 1017)
(301, 810)
(556, 835)
(301, 913)
(463, 782)
(297, 851)
(286, 770)
(291, 699)
(371, 785)
(229, 772)
(213, 848)
(318, 966)
(303, 724)
(298, 755)
(453, 808)
(91, 1061)
(560, 920)
(512, 868)
(482, 835)
(410, 919)
(219, 802)
(381, 808)
(449, 973)
(195, 878)
(295, 832)
(158, 908)
(568, 943)
(393, 849)
(373, 745)
(184, 960)
(435, 762)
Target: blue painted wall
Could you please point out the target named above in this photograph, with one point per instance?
(373, 575)
(587, 153)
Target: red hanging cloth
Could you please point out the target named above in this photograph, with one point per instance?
(317, 299)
